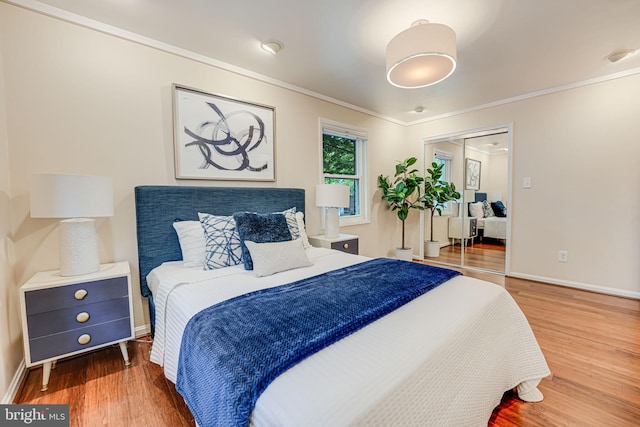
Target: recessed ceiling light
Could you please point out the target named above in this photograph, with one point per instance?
(272, 46)
(420, 109)
(619, 55)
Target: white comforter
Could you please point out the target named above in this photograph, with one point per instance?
(494, 227)
(444, 359)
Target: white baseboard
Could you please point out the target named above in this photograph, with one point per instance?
(578, 285)
(8, 397)
(15, 384)
(140, 331)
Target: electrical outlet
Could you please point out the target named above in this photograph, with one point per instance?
(563, 256)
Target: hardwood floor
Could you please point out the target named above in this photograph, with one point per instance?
(488, 254)
(591, 343)
(100, 390)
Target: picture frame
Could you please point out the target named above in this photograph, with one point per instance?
(221, 138)
(472, 171)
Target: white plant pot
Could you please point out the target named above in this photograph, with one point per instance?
(404, 254)
(432, 249)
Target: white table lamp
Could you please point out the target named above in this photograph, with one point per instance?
(79, 198)
(331, 197)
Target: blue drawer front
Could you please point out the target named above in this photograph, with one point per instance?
(51, 299)
(59, 344)
(53, 322)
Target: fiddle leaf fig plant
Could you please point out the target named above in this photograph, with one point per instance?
(436, 192)
(404, 192)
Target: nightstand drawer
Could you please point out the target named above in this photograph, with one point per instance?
(43, 300)
(349, 246)
(59, 344)
(53, 322)
(344, 242)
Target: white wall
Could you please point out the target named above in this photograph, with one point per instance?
(10, 329)
(497, 172)
(580, 147)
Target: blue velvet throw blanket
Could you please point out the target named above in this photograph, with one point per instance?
(233, 350)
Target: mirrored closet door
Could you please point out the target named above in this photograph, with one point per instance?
(471, 231)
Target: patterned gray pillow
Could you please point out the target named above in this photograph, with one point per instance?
(222, 241)
(487, 209)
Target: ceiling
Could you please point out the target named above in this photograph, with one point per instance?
(335, 48)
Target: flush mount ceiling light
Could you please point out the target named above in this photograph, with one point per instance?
(272, 46)
(619, 55)
(422, 55)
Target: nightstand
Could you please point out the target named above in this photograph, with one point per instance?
(66, 316)
(344, 242)
(463, 229)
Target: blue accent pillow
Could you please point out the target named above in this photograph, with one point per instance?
(499, 209)
(260, 228)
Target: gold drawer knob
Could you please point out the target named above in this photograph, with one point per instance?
(80, 294)
(84, 339)
(346, 246)
(82, 317)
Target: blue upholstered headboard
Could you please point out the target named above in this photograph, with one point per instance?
(480, 197)
(157, 207)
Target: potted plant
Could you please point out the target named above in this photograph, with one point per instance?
(436, 194)
(402, 195)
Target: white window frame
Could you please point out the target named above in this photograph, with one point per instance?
(360, 135)
(447, 158)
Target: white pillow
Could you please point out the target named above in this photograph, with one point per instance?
(274, 257)
(475, 210)
(192, 242)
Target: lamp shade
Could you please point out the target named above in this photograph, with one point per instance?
(75, 197)
(71, 196)
(422, 55)
(332, 195)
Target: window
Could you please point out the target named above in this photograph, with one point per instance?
(343, 162)
(444, 158)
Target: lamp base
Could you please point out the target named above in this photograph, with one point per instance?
(331, 223)
(78, 247)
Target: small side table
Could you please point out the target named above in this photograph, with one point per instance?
(463, 229)
(66, 316)
(344, 242)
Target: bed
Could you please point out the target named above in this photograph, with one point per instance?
(443, 358)
(491, 215)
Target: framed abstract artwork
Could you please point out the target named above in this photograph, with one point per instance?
(217, 137)
(472, 174)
